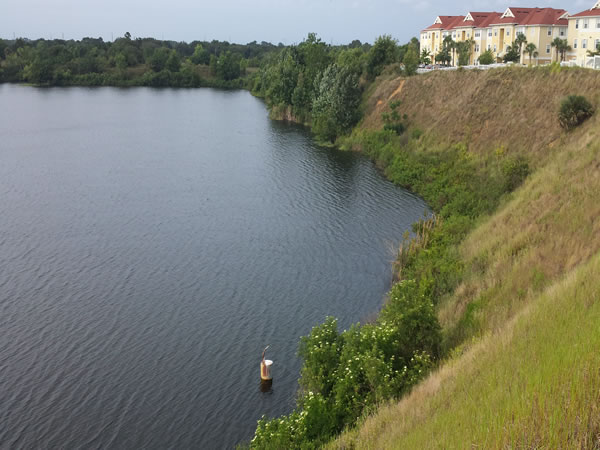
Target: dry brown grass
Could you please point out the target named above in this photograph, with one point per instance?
(514, 107)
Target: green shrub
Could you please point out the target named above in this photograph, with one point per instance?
(487, 58)
(416, 133)
(397, 127)
(392, 120)
(574, 110)
(347, 374)
(515, 170)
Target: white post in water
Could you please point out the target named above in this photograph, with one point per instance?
(265, 367)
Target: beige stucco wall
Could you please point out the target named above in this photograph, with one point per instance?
(582, 39)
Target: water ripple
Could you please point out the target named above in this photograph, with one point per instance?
(152, 242)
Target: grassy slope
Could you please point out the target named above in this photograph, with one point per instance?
(534, 385)
(530, 294)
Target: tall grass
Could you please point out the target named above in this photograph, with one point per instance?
(533, 384)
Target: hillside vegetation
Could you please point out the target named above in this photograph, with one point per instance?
(519, 312)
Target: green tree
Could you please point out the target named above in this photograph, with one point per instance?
(531, 50)
(335, 108)
(425, 57)
(158, 60)
(383, 53)
(486, 58)
(200, 56)
(173, 63)
(443, 56)
(228, 66)
(3, 47)
(465, 50)
(562, 47)
(520, 40)
(450, 45)
(512, 54)
(353, 59)
(312, 57)
(411, 61)
(121, 62)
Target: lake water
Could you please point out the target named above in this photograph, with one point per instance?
(152, 242)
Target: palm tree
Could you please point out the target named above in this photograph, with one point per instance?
(425, 57)
(556, 43)
(531, 49)
(562, 46)
(450, 44)
(520, 40)
(465, 50)
(594, 52)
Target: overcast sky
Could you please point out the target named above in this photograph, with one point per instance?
(287, 21)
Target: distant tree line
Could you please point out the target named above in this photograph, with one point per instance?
(129, 62)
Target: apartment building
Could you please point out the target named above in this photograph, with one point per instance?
(497, 31)
(584, 34)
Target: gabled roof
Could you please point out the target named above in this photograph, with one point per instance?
(594, 11)
(491, 19)
(512, 15)
(587, 13)
(532, 16)
(477, 19)
(444, 22)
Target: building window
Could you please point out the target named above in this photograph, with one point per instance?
(577, 24)
(549, 31)
(477, 48)
(496, 32)
(489, 33)
(495, 47)
(548, 48)
(454, 34)
(562, 32)
(584, 43)
(575, 43)
(478, 34)
(597, 23)
(489, 46)
(586, 23)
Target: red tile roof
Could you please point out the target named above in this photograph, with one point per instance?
(523, 16)
(587, 13)
(491, 18)
(447, 22)
(479, 19)
(534, 16)
(456, 22)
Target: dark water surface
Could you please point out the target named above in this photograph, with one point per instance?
(152, 242)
